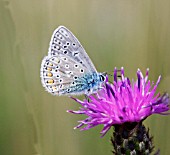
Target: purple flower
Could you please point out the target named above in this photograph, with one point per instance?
(122, 101)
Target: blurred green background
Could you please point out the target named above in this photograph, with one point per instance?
(130, 33)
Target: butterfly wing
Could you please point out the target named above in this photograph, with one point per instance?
(59, 74)
(64, 43)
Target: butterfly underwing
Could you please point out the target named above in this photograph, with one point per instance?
(67, 69)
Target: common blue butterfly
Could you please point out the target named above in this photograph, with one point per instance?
(68, 70)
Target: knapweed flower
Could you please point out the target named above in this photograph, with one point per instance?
(122, 101)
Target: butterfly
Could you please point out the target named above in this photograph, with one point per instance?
(68, 70)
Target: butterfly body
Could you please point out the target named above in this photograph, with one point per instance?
(87, 84)
(67, 70)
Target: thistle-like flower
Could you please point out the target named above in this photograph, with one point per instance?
(124, 104)
(123, 101)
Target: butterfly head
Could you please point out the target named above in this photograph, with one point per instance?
(102, 76)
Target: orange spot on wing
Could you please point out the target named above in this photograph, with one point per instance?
(49, 74)
(49, 69)
(50, 81)
(51, 64)
(54, 88)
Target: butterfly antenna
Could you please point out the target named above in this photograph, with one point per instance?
(109, 74)
(118, 71)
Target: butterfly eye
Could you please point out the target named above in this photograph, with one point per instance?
(102, 77)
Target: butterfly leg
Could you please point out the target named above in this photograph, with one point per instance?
(87, 98)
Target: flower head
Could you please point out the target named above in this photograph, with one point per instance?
(122, 101)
